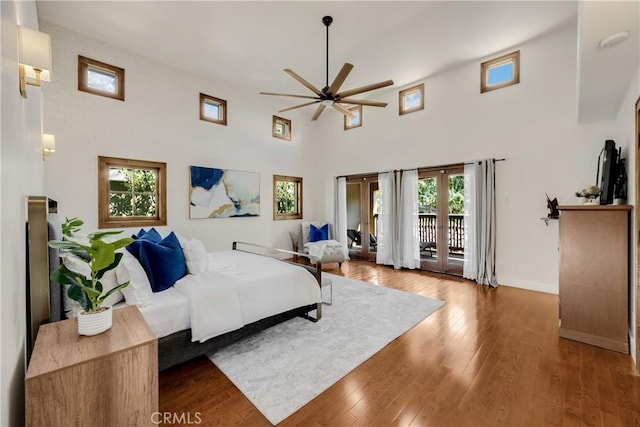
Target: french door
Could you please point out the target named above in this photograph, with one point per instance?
(441, 219)
(363, 202)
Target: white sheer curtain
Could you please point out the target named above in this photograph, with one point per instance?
(408, 239)
(386, 219)
(479, 222)
(341, 214)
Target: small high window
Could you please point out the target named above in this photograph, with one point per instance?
(213, 109)
(131, 193)
(500, 72)
(411, 99)
(355, 120)
(100, 78)
(287, 197)
(281, 128)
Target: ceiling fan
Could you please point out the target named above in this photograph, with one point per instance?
(329, 95)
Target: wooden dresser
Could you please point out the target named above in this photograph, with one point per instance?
(594, 275)
(109, 379)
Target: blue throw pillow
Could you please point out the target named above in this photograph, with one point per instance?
(163, 261)
(151, 235)
(317, 234)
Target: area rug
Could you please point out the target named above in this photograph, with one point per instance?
(284, 367)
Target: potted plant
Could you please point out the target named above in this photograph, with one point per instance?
(87, 290)
(589, 193)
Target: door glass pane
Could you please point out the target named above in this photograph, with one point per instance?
(456, 218)
(428, 217)
(353, 219)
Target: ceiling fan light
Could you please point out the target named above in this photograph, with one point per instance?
(327, 102)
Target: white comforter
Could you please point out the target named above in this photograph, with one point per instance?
(241, 288)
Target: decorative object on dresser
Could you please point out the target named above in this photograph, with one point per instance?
(589, 193)
(620, 192)
(594, 275)
(87, 270)
(109, 379)
(552, 205)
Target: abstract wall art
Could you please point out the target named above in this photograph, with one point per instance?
(223, 193)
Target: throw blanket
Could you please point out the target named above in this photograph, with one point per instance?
(317, 249)
(241, 288)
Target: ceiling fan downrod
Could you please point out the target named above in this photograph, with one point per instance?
(327, 20)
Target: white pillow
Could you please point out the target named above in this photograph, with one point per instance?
(196, 256)
(108, 281)
(139, 290)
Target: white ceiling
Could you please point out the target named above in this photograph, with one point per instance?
(604, 74)
(247, 44)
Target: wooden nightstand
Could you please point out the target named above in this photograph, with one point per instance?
(103, 380)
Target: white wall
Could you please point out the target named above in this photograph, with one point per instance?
(532, 124)
(159, 121)
(22, 175)
(625, 128)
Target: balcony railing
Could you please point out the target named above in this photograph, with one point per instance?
(427, 231)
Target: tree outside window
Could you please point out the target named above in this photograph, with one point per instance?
(287, 197)
(131, 193)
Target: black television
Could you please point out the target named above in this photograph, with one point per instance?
(609, 172)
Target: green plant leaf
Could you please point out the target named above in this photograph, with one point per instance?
(71, 226)
(112, 291)
(114, 264)
(77, 294)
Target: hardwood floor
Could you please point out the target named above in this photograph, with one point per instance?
(487, 358)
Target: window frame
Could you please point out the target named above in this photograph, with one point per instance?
(84, 64)
(299, 199)
(287, 125)
(513, 57)
(104, 218)
(403, 94)
(222, 105)
(357, 108)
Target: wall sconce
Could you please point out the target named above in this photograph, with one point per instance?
(34, 57)
(48, 145)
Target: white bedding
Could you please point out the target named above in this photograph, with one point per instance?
(167, 312)
(241, 288)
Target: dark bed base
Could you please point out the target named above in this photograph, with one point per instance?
(178, 347)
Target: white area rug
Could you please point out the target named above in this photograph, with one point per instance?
(284, 367)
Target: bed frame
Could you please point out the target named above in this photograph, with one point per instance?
(45, 302)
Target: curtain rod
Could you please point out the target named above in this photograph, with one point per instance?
(413, 169)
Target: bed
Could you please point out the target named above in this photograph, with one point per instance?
(268, 290)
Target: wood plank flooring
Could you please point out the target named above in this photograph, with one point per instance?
(487, 358)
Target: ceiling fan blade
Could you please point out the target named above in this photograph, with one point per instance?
(298, 106)
(308, 85)
(319, 111)
(340, 78)
(366, 88)
(343, 110)
(362, 102)
(288, 94)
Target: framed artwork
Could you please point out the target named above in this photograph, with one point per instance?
(223, 193)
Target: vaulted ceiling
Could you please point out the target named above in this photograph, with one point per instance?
(247, 44)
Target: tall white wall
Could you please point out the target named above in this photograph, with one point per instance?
(159, 121)
(22, 175)
(531, 124)
(625, 128)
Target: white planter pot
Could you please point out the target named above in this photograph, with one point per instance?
(95, 323)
